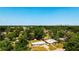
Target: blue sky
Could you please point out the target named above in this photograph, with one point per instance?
(39, 16)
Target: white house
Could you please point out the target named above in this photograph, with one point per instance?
(38, 43)
(62, 39)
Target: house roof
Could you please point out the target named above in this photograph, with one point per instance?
(62, 38)
(40, 42)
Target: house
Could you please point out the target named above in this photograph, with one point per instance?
(62, 39)
(38, 43)
(51, 41)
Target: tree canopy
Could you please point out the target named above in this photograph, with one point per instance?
(16, 38)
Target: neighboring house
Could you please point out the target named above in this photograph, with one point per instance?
(62, 39)
(49, 41)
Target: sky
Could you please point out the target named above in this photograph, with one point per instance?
(39, 15)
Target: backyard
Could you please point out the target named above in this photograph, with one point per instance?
(46, 47)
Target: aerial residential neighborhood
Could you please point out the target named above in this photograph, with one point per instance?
(39, 38)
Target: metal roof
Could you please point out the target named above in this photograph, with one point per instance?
(51, 41)
(40, 42)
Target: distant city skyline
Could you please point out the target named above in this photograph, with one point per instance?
(39, 16)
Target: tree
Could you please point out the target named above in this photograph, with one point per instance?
(39, 34)
(5, 45)
(11, 35)
(22, 43)
(73, 43)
